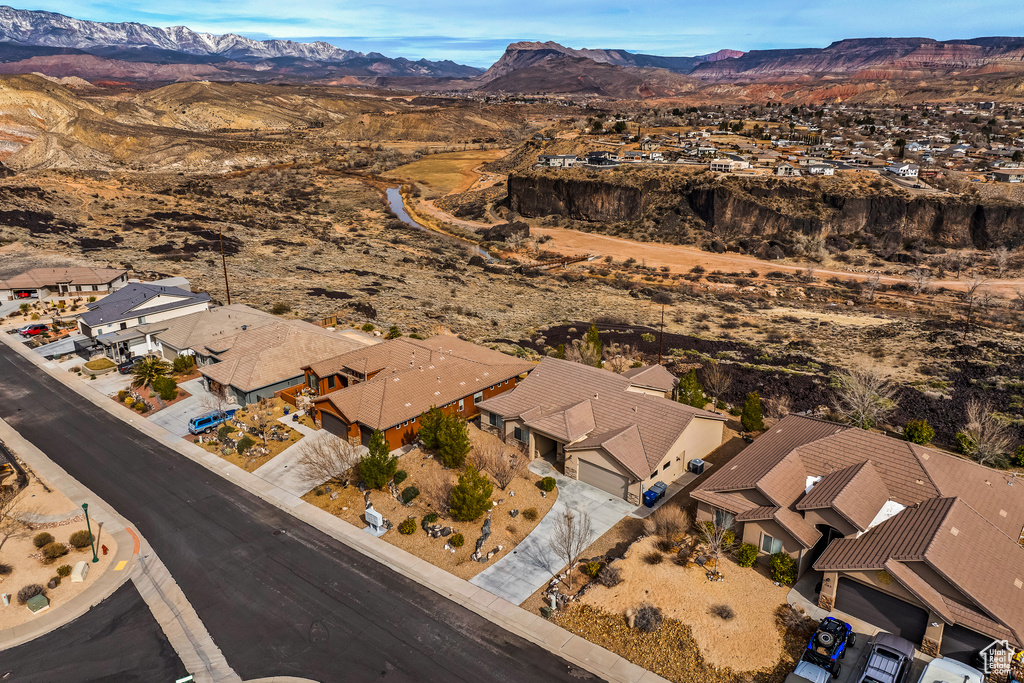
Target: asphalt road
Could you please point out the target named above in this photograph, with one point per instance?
(118, 640)
(277, 596)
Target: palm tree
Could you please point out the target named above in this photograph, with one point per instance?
(148, 370)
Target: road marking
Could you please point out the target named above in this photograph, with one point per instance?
(120, 565)
(134, 538)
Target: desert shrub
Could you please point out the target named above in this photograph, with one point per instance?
(64, 571)
(728, 538)
(409, 494)
(792, 620)
(224, 432)
(471, 497)
(918, 431)
(407, 527)
(54, 550)
(368, 327)
(668, 522)
(547, 484)
(139, 406)
(783, 568)
(80, 539)
(664, 545)
(184, 364)
(746, 556)
(723, 612)
(683, 556)
(530, 514)
(609, 576)
(28, 592)
(41, 539)
(654, 558)
(319, 491)
(280, 308)
(751, 418)
(400, 476)
(244, 444)
(648, 618)
(166, 387)
(393, 333)
(965, 445)
(5, 569)
(457, 541)
(1017, 459)
(431, 518)
(591, 569)
(122, 395)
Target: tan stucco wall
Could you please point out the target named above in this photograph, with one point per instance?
(831, 518)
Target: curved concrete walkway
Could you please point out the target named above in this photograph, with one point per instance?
(533, 563)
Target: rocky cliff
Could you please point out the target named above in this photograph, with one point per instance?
(734, 208)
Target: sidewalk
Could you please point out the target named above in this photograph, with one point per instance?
(509, 616)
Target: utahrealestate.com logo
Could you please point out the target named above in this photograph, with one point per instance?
(998, 657)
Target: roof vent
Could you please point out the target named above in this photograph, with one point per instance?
(954, 531)
(1002, 513)
(1018, 583)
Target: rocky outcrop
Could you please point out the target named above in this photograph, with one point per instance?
(738, 208)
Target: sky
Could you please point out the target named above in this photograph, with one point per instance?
(476, 32)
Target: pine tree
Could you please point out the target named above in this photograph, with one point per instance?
(378, 466)
(690, 391)
(751, 418)
(429, 423)
(594, 347)
(453, 441)
(471, 497)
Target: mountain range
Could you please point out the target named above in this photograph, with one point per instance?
(130, 53)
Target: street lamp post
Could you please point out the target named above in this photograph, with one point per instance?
(92, 541)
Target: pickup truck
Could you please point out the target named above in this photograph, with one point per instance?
(889, 660)
(204, 424)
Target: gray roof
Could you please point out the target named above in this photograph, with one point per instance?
(129, 302)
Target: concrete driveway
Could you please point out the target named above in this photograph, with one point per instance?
(531, 565)
(175, 418)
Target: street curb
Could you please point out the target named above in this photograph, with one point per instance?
(531, 627)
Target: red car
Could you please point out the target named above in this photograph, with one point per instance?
(32, 330)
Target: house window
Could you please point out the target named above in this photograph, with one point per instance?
(330, 382)
(770, 545)
(462, 405)
(311, 381)
(477, 397)
(521, 434)
(665, 466)
(142, 320)
(495, 420)
(724, 519)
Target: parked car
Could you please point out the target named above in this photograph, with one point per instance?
(655, 493)
(889, 660)
(806, 672)
(126, 367)
(32, 330)
(828, 645)
(950, 671)
(204, 424)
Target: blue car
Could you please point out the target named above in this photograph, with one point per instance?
(204, 424)
(828, 645)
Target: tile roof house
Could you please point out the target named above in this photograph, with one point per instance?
(40, 283)
(388, 386)
(934, 541)
(609, 430)
(256, 362)
(209, 332)
(138, 304)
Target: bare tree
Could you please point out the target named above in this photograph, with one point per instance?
(570, 537)
(504, 464)
(325, 457)
(717, 380)
(435, 489)
(921, 278)
(864, 395)
(216, 400)
(971, 296)
(10, 526)
(1001, 258)
(871, 285)
(989, 437)
(717, 538)
(777, 405)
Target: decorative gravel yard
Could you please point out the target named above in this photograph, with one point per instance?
(259, 455)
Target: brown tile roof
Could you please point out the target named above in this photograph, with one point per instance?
(729, 502)
(955, 541)
(215, 329)
(551, 398)
(856, 492)
(651, 377)
(757, 514)
(398, 394)
(40, 277)
(274, 353)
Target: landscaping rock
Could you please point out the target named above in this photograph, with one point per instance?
(447, 531)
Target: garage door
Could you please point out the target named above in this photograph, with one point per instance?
(607, 480)
(334, 425)
(881, 610)
(962, 643)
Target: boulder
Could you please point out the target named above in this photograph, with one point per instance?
(504, 232)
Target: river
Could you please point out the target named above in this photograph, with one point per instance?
(397, 204)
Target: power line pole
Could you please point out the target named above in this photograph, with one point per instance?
(224, 265)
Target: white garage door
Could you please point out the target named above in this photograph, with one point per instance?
(603, 479)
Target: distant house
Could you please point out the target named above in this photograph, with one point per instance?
(258, 362)
(613, 432)
(787, 170)
(601, 158)
(212, 332)
(820, 169)
(632, 155)
(40, 283)
(139, 304)
(903, 170)
(728, 165)
(648, 145)
(1009, 175)
(388, 386)
(559, 160)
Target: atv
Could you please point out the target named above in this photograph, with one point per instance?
(828, 645)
